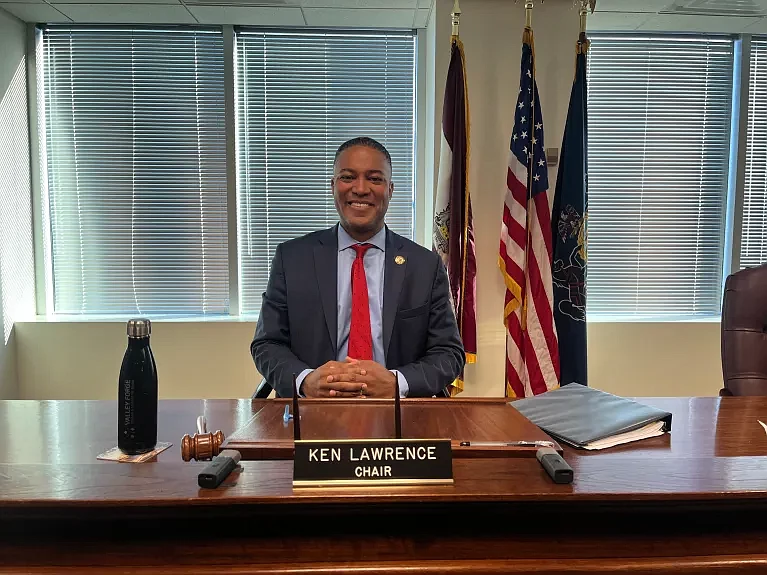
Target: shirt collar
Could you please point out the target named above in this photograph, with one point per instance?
(345, 241)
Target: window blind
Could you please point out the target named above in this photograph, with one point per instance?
(136, 170)
(753, 243)
(299, 96)
(659, 133)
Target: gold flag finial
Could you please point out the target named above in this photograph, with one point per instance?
(585, 6)
(456, 14)
(584, 13)
(528, 12)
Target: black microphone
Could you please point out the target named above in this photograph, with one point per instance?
(555, 466)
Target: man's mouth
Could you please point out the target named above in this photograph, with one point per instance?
(360, 205)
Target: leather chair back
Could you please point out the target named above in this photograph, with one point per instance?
(744, 333)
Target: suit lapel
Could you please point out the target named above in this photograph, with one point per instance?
(394, 277)
(326, 269)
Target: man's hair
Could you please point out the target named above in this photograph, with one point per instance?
(363, 141)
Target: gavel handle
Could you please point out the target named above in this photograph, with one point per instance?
(202, 426)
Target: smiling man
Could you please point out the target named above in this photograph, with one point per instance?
(357, 310)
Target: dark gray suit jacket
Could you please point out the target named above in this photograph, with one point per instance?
(297, 326)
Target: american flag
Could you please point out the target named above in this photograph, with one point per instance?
(532, 355)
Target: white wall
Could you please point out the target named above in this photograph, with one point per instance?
(16, 254)
(196, 359)
(78, 360)
(81, 360)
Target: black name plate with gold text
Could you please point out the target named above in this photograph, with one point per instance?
(372, 462)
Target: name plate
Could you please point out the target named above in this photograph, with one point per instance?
(372, 462)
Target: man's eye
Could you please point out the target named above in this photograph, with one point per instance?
(376, 180)
(346, 178)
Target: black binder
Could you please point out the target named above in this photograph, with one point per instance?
(592, 419)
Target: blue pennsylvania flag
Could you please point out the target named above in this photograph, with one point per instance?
(568, 222)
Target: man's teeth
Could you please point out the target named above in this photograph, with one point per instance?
(359, 204)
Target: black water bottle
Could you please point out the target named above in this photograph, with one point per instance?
(137, 394)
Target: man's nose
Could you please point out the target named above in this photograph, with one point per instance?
(360, 185)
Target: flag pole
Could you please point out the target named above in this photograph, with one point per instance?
(456, 14)
(528, 39)
(583, 41)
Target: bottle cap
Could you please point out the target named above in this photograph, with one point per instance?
(139, 328)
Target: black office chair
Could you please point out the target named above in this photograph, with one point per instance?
(744, 333)
(264, 390)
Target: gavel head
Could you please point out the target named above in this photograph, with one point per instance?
(201, 446)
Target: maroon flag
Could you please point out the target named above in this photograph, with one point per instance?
(453, 225)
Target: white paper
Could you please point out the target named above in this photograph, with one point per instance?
(763, 425)
(650, 430)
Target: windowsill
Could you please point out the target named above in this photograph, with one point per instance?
(252, 318)
(655, 319)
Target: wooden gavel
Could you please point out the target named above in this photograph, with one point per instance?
(203, 445)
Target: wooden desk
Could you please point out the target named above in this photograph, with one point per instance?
(268, 436)
(691, 502)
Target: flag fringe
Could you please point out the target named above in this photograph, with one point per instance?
(456, 386)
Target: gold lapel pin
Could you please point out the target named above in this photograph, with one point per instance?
(399, 260)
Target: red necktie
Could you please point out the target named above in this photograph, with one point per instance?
(360, 338)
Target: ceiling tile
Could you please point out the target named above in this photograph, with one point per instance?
(176, 2)
(614, 21)
(359, 3)
(707, 24)
(127, 13)
(651, 6)
(362, 17)
(241, 3)
(421, 18)
(248, 15)
(34, 12)
(748, 8)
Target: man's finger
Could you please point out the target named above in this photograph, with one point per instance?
(346, 386)
(346, 372)
(357, 394)
(343, 377)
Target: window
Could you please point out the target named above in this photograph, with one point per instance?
(299, 96)
(659, 134)
(136, 170)
(753, 243)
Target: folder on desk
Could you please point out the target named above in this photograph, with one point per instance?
(589, 418)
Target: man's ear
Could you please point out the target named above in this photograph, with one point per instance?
(391, 189)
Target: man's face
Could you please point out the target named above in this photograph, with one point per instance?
(362, 188)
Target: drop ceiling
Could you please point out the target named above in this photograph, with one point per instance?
(714, 16)
(320, 13)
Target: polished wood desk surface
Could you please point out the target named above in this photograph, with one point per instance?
(50, 448)
(692, 501)
(268, 436)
